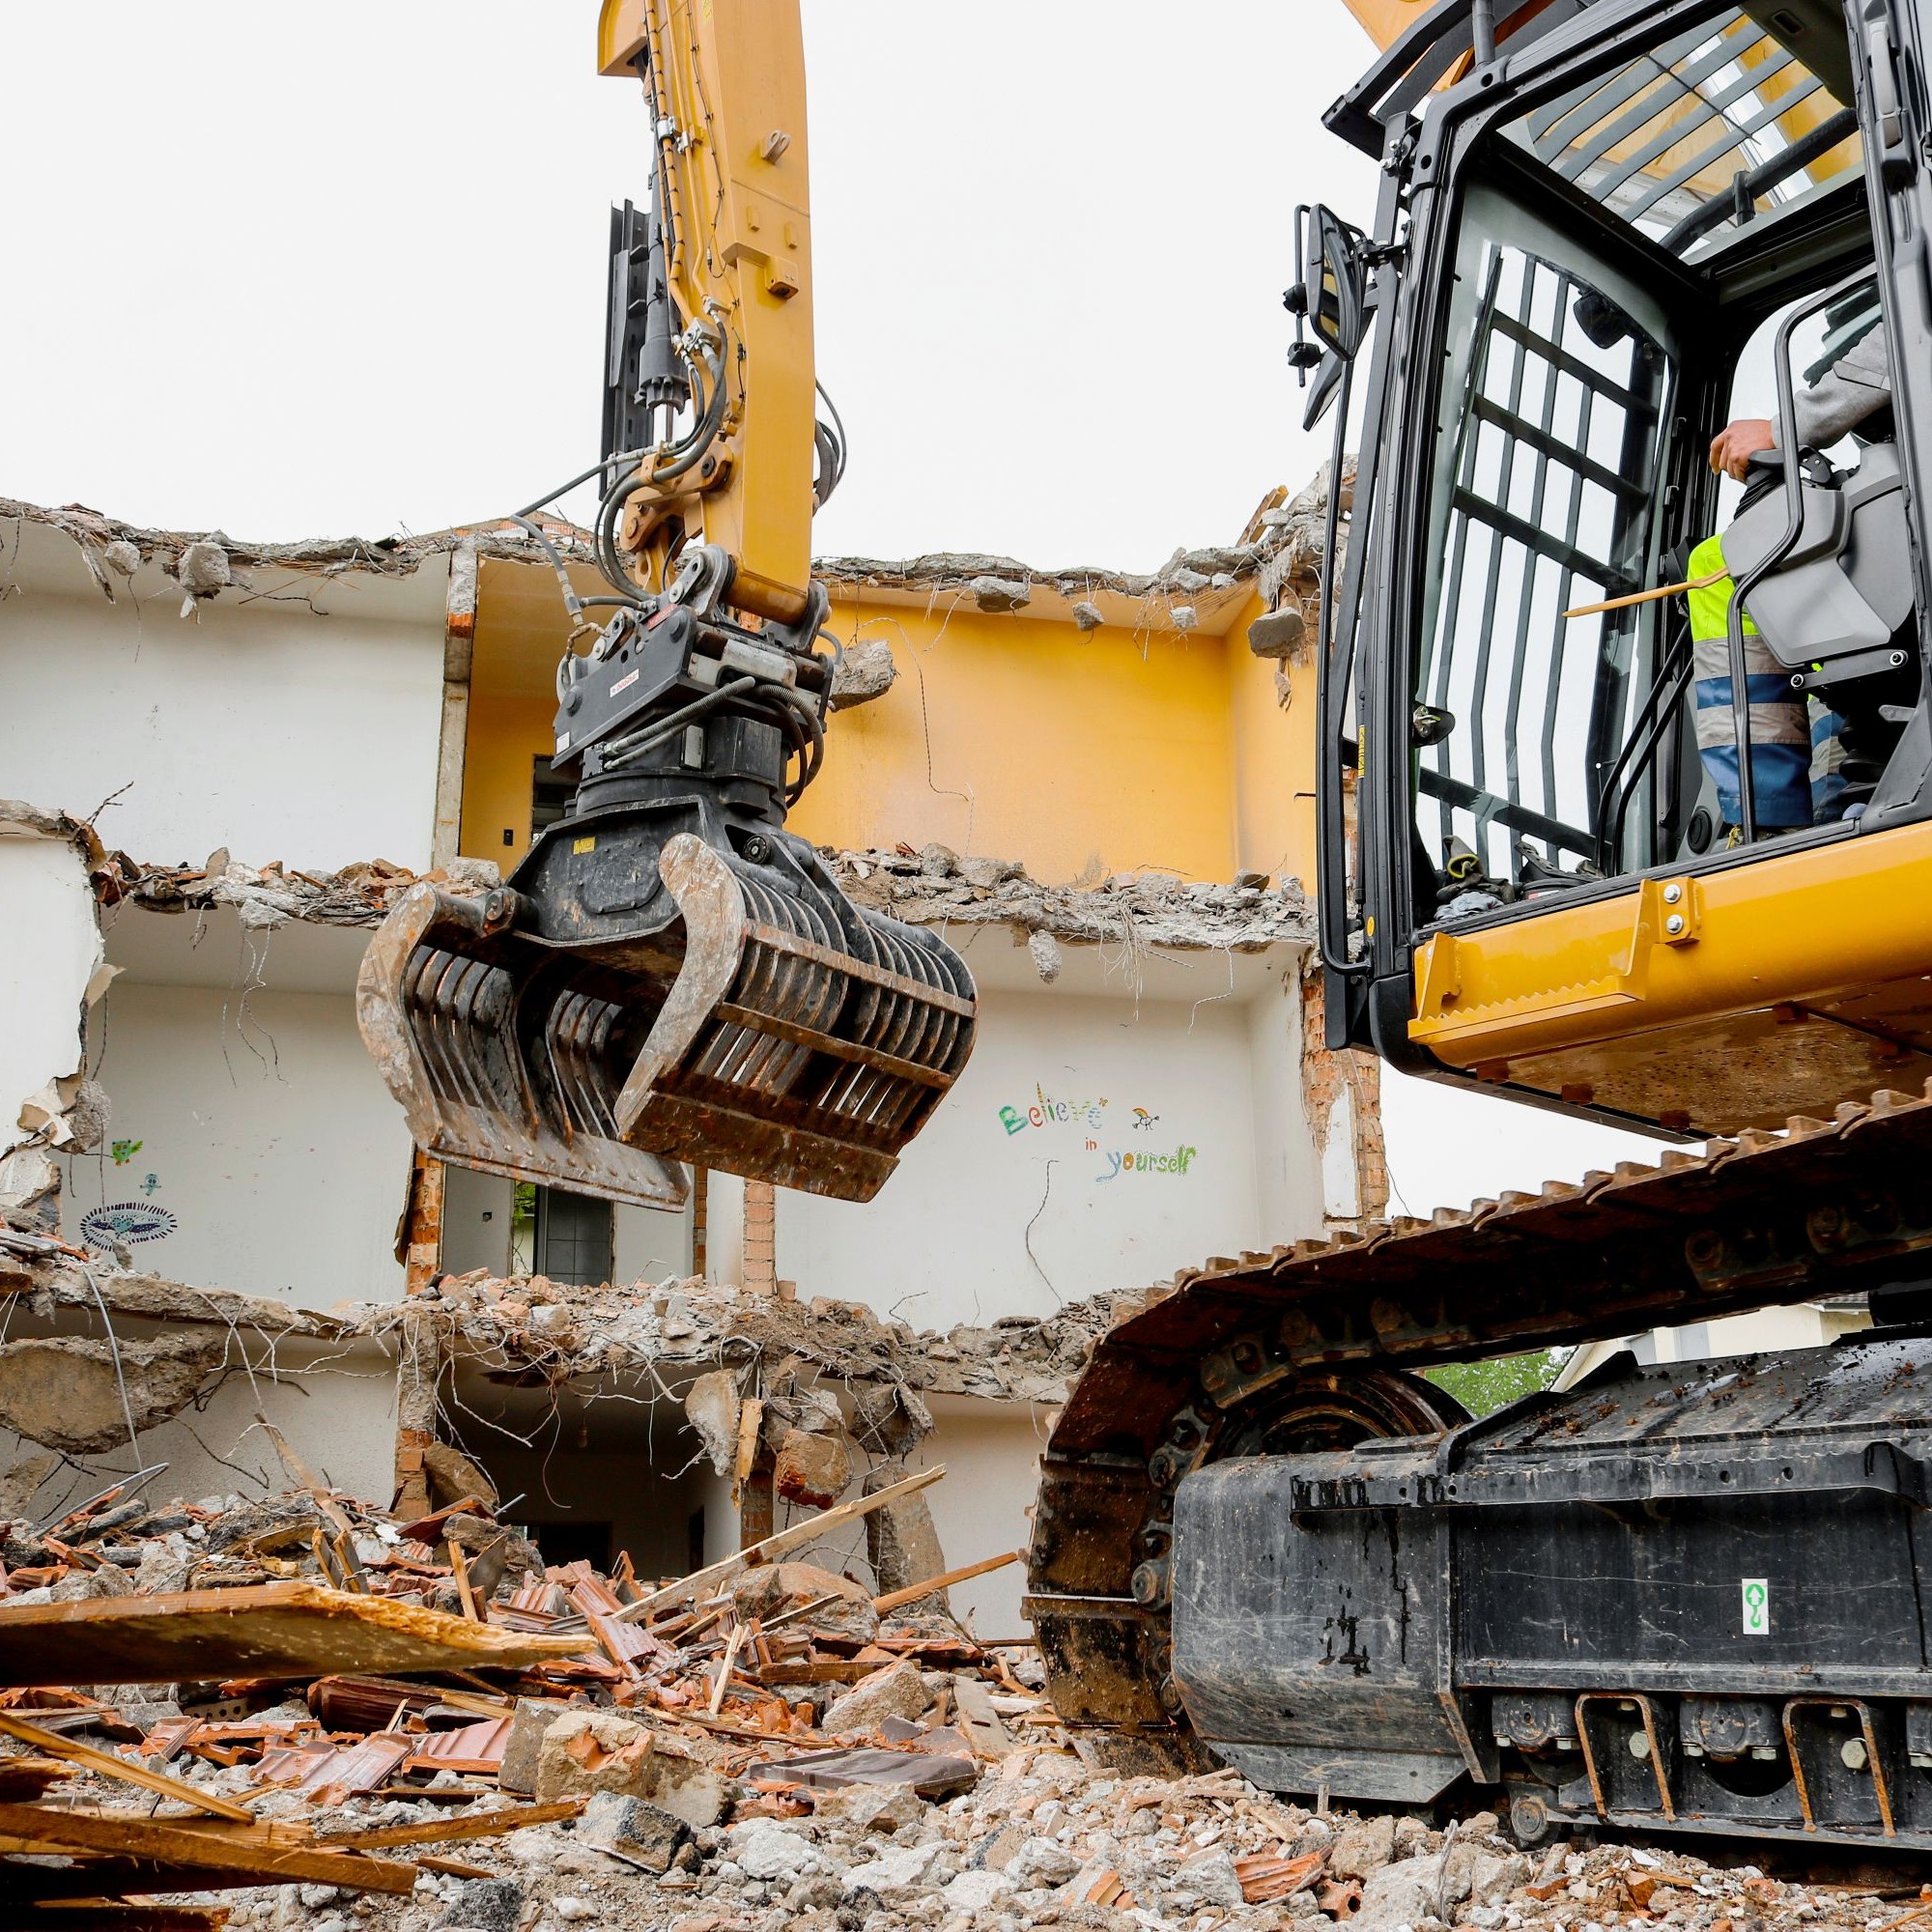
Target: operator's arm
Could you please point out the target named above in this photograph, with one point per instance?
(1856, 386)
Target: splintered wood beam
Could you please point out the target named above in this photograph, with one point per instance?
(277, 1855)
(295, 1629)
(795, 1536)
(893, 1600)
(441, 1831)
(107, 1765)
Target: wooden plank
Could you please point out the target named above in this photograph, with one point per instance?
(26, 1778)
(459, 1563)
(114, 1878)
(893, 1600)
(794, 1537)
(750, 1420)
(217, 1846)
(52, 1745)
(477, 1706)
(724, 1666)
(820, 1670)
(977, 1718)
(295, 1629)
(439, 1831)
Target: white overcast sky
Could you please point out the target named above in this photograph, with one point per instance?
(296, 270)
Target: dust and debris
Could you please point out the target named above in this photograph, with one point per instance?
(567, 1331)
(1278, 634)
(998, 595)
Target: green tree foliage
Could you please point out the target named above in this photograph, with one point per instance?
(1483, 1387)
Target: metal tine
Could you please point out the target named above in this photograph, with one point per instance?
(458, 993)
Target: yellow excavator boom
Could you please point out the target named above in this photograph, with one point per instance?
(725, 87)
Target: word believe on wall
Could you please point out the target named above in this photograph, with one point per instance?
(1045, 1111)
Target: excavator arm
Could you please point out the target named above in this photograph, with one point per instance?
(671, 977)
(711, 301)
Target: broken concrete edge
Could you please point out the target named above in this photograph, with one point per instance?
(937, 887)
(611, 1331)
(614, 1330)
(70, 1110)
(58, 1282)
(931, 888)
(204, 562)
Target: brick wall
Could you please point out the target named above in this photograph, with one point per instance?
(761, 1239)
(1323, 1076)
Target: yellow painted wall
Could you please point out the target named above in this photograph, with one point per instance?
(505, 735)
(1273, 759)
(1004, 736)
(1072, 751)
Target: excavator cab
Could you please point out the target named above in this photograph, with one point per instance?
(1595, 864)
(671, 977)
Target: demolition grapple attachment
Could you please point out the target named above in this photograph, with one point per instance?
(670, 976)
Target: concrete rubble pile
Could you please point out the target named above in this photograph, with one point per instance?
(363, 1685)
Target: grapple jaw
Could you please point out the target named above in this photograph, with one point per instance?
(759, 1022)
(444, 998)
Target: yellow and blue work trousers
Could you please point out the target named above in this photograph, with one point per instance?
(1785, 741)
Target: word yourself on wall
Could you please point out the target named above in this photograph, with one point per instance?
(1045, 1111)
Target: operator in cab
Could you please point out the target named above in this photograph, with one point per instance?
(1811, 764)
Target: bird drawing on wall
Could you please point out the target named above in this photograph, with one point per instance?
(1143, 1119)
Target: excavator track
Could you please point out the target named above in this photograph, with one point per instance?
(1311, 1349)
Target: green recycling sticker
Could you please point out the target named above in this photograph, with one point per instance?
(1757, 1607)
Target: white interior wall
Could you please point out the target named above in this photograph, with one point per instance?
(475, 1221)
(649, 1243)
(987, 1217)
(263, 1130)
(47, 961)
(983, 1506)
(1287, 1187)
(303, 729)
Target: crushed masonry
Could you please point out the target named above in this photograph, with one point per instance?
(932, 887)
(937, 887)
